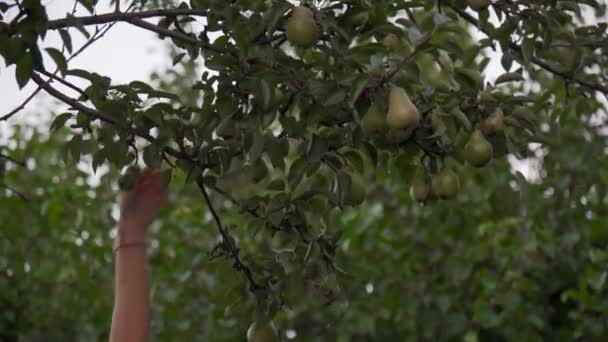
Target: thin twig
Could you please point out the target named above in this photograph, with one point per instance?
(110, 17)
(11, 159)
(19, 194)
(176, 35)
(544, 65)
(64, 82)
(407, 58)
(227, 239)
(21, 106)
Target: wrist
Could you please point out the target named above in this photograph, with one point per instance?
(130, 232)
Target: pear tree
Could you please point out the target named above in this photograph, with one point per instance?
(303, 110)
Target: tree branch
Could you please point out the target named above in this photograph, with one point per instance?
(110, 17)
(134, 18)
(13, 160)
(19, 194)
(98, 115)
(539, 62)
(227, 240)
(21, 106)
(175, 35)
(53, 77)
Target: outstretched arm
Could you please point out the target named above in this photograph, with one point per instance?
(138, 208)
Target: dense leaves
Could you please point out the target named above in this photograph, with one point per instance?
(307, 131)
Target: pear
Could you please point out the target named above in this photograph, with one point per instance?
(445, 184)
(494, 124)
(261, 332)
(420, 191)
(478, 151)
(356, 194)
(302, 30)
(478, 5)
(402, 113)
(391, 41)
(373, 122)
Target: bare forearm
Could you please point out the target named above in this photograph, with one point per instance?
(131, 317)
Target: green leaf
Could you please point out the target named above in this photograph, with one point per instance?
(462, 117)
(257, 146)
(336, 98)
(468, 77)
(509, 77)
(152, 156)
(67, 39)
(296, 172)
(88, 4)
(25, 68)
(358, 88)
(178, 58)
(266, 93)
(527, 49)
(99, 158)
(75, 147)
(60, 121)
(59, 59)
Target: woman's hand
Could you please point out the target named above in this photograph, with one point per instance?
(140, 205)
(138, 208)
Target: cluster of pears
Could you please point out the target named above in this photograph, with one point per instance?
(478, 152)
(444, 185)
(478, 5)
(261, 331)
(398, 123)
(302, 30)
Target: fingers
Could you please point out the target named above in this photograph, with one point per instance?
(150, 180)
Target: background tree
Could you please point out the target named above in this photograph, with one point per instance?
(291, 176)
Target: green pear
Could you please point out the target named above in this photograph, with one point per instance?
(445, 184)
(420, 191)
(302, 30)
(373, 122)
(494, 124)
(402, 113)
(391, 41)
(261, 332)
(478, 5)
(478, 151)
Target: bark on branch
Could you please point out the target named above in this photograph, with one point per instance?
(539, 62)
